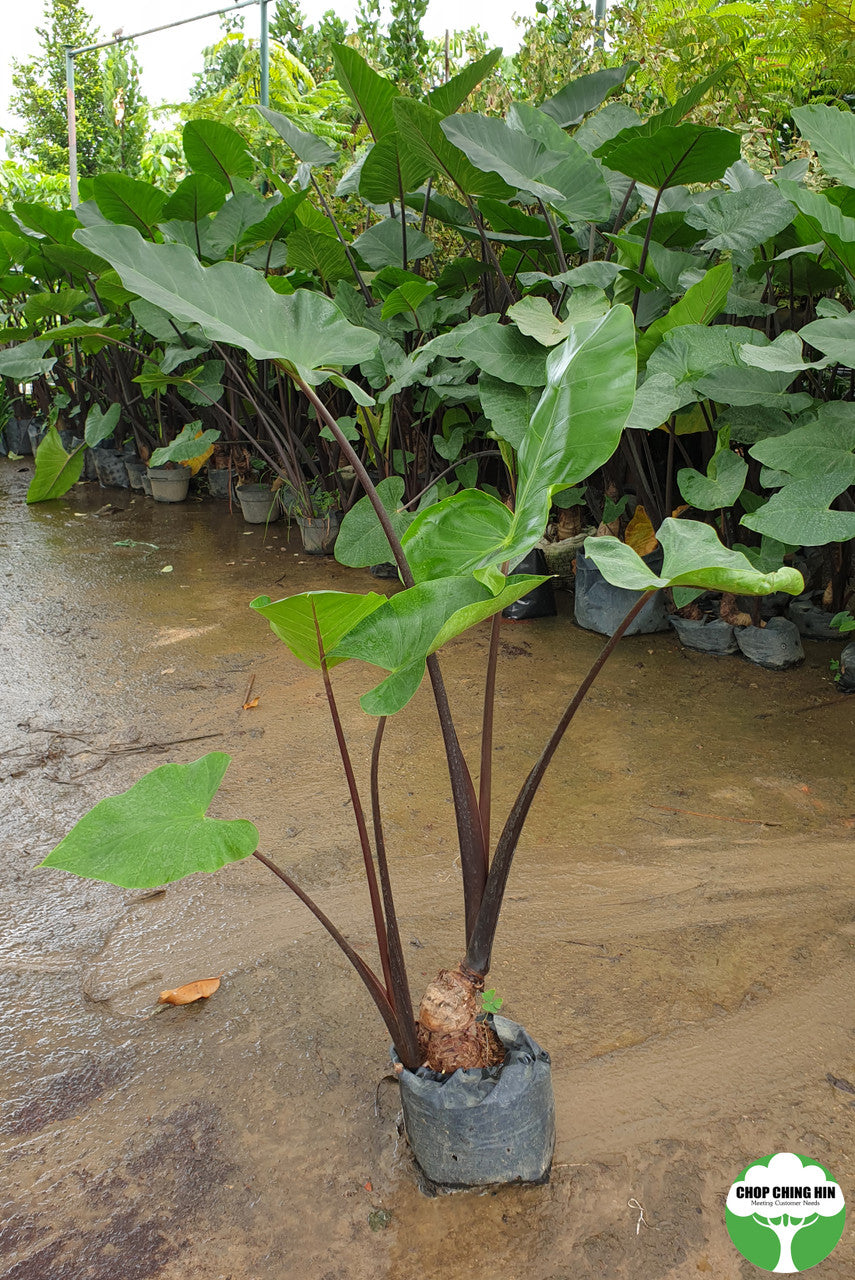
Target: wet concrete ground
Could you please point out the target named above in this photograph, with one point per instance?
(679, 931)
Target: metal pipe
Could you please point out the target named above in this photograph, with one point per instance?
(265, 56)
(600, 20)
(72, 51)
(71, 116)
(167, 26)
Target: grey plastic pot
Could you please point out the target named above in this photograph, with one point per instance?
(220, 482)
(16, 435)
(598, 606)
(846, 674)
(812, 621)
(168, 484)
(259, 503)
(319, 533)
(481, 1127)
(706, 635)
(776, 646)
(135, 468)
(110, 468)
(36, 432)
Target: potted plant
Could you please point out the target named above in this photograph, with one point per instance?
(259, 496)
(171, 466)
(471, 1081)
(318, 518)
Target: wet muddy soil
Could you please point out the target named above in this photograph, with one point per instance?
(679, 933)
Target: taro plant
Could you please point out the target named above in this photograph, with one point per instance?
(453, 558)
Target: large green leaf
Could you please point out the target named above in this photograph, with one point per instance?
(382, 244)
(527, 164)
(738, 221)
(656, 399)
(834, 337)
(458, 535)
(446, 98)
(723, 482)
(409, 626)
(699, 305)
(127, 200)
(194, 198)
(371, 93)
(693, 557)
(230, 224)
(233, 303)
(498, 349)
(56, 470)
(824, 444)
(799, 513)
(361, 540)
(26, 361)
(310, 251)
(307, 147)
(157, 831)
(672, 156)
(216, 150)
(508, 407)
(574, 429)
(101, 424)
(831, 133)
(579, 179)
(56, 225)
(294, 621)
(572, 103)
(827, 223)
(389, 169)
(577, 425)
(420, 133)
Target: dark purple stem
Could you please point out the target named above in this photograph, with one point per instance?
(367, 974)
(408, 1048)
(368, 860)
(481, 943)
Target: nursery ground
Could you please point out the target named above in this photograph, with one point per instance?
(679, 932)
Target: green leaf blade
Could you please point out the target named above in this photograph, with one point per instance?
(157, 831)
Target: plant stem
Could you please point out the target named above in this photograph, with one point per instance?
(472, 856)
(366, 973)
(363, 287)
(368, 860)
(409, 1047)
(485, 780)
(481, 942)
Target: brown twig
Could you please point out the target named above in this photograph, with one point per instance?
(719, 817)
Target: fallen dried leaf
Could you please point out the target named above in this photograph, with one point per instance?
(249, 706)
(189, 992)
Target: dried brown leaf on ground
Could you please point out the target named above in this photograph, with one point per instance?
(189, 992)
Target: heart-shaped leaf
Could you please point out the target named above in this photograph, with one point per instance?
(157, 831)
(336, 612)
(693, 557)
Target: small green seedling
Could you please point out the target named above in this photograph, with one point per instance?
(490, 1002)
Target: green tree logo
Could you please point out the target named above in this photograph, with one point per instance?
(785, 1213)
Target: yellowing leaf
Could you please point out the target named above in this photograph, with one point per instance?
(249, 706)
(640, 534)
(194, 464)
(189, 992)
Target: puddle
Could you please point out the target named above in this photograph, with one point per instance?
(678, 931)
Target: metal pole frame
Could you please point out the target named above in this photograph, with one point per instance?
(71, 53)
